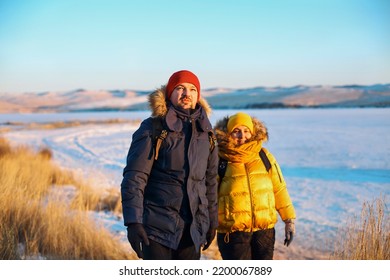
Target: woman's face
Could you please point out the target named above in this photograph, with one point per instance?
(240, 135)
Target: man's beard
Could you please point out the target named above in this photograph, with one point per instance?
(186, 102)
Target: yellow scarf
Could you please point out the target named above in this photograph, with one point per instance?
(243, 153)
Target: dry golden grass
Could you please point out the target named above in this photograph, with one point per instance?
(39, 221)
(367, 238)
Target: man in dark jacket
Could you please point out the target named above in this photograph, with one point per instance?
(169, 201)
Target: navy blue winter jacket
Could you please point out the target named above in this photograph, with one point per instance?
(180, 187)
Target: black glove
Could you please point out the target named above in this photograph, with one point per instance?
(136, 235)
(289, 231)
(209, 238)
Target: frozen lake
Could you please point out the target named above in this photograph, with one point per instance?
(332, 159)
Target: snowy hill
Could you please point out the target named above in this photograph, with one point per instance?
(219, 98)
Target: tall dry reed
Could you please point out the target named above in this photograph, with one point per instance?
(39, 221)
(367, 237)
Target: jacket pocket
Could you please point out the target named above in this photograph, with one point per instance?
(160, 218)
(202, 216)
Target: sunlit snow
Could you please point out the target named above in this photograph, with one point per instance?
(332, 159)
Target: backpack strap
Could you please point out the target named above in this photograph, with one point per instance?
(158, 135)
(265, 160)
(222, 165)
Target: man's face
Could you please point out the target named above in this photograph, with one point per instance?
(185, 95)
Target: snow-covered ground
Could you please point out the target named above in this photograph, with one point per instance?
(332, 159)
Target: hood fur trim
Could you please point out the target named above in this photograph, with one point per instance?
(159, 106)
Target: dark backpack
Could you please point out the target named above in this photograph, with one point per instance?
(159, 133)
(223, 164)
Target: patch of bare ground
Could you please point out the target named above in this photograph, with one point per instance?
(7, 126)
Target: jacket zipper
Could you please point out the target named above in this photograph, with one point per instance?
(191, 121)
(250, 197)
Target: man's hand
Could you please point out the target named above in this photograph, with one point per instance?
(289, 231)
(137, 236)
(209, 238)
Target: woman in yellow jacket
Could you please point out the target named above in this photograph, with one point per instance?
(249, 196)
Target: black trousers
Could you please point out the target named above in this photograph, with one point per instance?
(258, 245)
(185, 251)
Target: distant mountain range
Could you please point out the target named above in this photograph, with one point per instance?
(300, 96)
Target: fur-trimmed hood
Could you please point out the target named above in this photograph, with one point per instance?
(159, 106)
(260, 131)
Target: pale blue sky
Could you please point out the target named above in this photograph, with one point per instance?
(117, 44)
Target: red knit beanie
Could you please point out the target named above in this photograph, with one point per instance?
(183, 76)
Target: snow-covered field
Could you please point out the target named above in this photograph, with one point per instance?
(332, 159)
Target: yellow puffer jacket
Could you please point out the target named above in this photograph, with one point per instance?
(249, 197)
